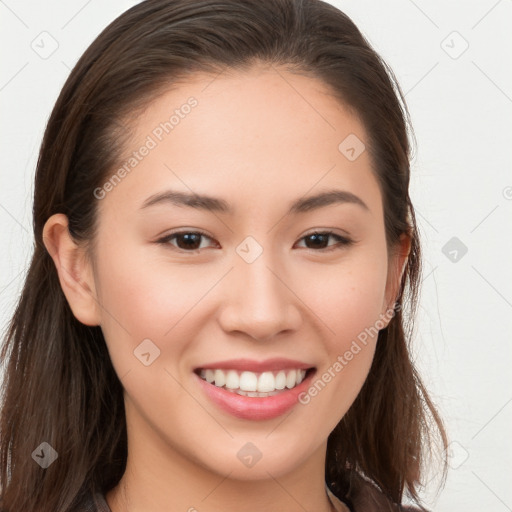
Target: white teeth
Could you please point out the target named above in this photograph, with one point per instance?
(232, 380)
(248, 381)
(220, 378)
(253, 393)
(266, 382)
(291, 379)
(281, 380)
(254, 384)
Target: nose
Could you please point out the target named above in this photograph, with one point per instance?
(259, 302)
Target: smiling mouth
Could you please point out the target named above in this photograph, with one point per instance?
(254, 384)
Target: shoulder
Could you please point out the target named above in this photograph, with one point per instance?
(365, 496)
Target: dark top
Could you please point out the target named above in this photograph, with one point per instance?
(94, 503)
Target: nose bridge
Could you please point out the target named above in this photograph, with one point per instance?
(259, 302)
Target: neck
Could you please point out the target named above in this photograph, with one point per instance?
(142, 490)
(159, 477)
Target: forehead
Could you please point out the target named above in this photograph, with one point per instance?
(261, 132)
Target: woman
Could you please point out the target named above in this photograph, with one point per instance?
(225, 244)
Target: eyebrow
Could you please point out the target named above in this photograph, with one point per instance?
(214, 204)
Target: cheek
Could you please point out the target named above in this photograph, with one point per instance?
(136, 304)
(349, 296)
(143, 297)
(350, 307)
(148, 292)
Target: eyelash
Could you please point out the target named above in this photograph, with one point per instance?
(343, 241)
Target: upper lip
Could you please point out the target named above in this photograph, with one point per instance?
(251, 365)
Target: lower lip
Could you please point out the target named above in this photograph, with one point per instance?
(255, 408)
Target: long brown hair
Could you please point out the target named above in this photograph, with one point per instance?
(59, 385)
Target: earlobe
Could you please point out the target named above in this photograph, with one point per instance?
(74, 270)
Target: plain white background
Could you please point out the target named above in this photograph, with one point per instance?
(452, 60)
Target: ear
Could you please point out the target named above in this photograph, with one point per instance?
(396, 268)
(75, 271)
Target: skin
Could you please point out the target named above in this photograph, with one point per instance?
(259, 139)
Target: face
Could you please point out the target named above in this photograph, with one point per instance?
(186, 287)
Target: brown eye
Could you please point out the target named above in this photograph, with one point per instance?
(185, 240)
(320, 240)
